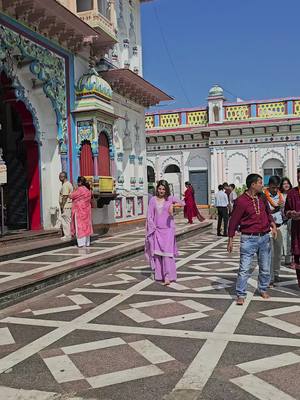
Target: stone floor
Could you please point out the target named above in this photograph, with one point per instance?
(118, 335)
(21, 272)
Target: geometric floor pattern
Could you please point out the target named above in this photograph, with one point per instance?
(118, 335)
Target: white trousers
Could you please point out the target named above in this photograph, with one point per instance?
(66, 218)
(84, 241)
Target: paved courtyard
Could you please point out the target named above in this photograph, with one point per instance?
(118, 335)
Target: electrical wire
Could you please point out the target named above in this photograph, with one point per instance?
(170, 56)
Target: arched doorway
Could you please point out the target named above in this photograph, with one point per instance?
(151, 179)
(271, 167)
(21, 154)
(86, 159)
(172, 174)
(103, 155)
(150, 174)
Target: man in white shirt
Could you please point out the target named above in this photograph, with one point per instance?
(65, 204)
(221, 203)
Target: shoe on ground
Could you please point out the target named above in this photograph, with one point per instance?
(65, 238)
(278, 279)
(240, 301)
(271, 285)
(265, 295)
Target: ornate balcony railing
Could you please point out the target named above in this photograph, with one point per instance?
(97, 21)
(233, 113)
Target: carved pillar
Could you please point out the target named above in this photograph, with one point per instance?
(294, 166)
(64, 162)
(158, 172)
(290, 163)
(213, 174)
(221, 166)
(217, 167)
(253, 160)
(113, 13)
(182, 173)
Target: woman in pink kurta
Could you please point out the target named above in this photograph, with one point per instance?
(81, 225)
(160, 244)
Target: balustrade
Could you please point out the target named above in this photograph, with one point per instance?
(233, 112)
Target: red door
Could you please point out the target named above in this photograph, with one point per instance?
(86, 160)
(103, 155)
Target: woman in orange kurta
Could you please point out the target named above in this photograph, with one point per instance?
(81, 225)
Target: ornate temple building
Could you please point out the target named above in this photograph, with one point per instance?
(72, 97)
(223, 141)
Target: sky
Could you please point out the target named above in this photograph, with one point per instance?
(250, 47)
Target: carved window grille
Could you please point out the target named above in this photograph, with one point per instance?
(271, 110)
(237, 113)
(170, 120)
(149, 121)
(197, 117)
(297, 107)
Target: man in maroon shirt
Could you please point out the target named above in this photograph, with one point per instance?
(292, 210)
(251, 213)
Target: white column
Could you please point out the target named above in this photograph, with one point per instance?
(289, 159)
(158, 172)
(294, 166)
(212, 171)
(182, 175)
(252, 160)
(222, 166)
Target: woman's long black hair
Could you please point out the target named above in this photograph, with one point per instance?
(84, 182)
(165, 184)
(285, 179)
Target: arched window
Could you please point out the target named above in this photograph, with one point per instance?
(216, 112)
(172, 168)
(272, 167)
(150, 174)
(86, 159)
(103, 155)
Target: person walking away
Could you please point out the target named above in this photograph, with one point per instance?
(190, 208)
(232, 197)
(292, 211)
(276, 203)
(65, 204)
(160, 241)
(252, 213)
(227, 189)
(82, 212)
(221, 203)
(285, 187)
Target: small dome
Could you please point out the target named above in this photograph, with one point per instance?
(216, 90)
(92, 83)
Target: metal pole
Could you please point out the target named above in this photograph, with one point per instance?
(2, 210)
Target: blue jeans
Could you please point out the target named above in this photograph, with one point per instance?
(250, 246)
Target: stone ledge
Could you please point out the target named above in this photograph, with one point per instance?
(21, 288)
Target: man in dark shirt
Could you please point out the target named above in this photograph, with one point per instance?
(252, 214)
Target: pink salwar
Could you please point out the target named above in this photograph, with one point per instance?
(164, 268)
(160, 243)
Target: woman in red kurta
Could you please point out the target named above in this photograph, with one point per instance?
(81, 225)
(292, 210)
(190, 208)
